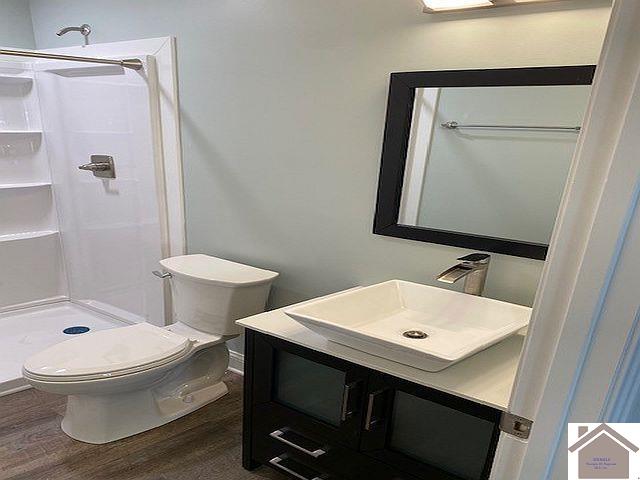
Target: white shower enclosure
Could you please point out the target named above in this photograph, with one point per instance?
(77, 249)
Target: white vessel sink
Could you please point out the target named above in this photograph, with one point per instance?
(374, 319)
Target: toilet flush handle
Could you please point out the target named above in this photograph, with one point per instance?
(162, 274)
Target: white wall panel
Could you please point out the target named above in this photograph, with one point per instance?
(32, 270)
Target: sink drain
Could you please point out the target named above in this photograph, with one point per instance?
(415, 334)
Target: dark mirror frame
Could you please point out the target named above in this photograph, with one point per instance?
(396, 140)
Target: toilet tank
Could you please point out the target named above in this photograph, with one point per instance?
(210, 294)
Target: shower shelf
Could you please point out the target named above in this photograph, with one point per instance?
(27, 235)
(10, 186)
(14, 79)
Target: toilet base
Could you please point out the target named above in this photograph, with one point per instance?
(103, 414)
(105, 418)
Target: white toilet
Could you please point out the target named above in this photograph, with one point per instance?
(127, 380)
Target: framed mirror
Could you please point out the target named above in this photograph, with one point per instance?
(479, 158)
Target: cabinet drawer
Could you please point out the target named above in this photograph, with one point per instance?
(278, 437)
(310, 459)
(271, 416)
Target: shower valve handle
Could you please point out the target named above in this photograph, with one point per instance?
(101, 165)
(96, 167)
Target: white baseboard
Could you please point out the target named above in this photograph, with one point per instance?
(13, 386)
(236, 362)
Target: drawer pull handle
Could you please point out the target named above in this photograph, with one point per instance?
(277, 462)
(278, 435)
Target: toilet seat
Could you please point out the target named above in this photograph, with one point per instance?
(108, 353)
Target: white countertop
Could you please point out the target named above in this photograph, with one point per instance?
(486, 377)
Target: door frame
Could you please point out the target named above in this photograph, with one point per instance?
(584, 314)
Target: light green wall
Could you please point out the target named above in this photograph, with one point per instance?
(15, 24)
(283, 105)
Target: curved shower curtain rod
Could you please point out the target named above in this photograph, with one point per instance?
(133, 63)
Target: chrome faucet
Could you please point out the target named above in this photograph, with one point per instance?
(473, 268)
(84, 29)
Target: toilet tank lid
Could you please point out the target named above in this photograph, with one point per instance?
(207, 269)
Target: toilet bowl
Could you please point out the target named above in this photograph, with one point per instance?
(126, 380)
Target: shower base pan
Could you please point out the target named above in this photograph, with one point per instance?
(27, 331)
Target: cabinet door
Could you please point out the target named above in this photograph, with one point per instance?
(320, 391)
(428, 433)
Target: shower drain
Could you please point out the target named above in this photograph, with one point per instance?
(415, 334)
(75, 330)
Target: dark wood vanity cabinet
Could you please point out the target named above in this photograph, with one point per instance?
(314, 416)
(426, 432)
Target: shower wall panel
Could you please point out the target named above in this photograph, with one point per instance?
(110, 228)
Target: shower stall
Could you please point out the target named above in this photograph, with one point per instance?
(90, 194)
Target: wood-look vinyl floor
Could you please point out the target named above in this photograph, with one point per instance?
(202, 445)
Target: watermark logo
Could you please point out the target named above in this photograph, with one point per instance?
(604, 450)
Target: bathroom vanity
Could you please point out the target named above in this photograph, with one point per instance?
(401, 380)
(317, 409)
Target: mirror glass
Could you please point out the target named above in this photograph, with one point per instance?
(490, 161)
